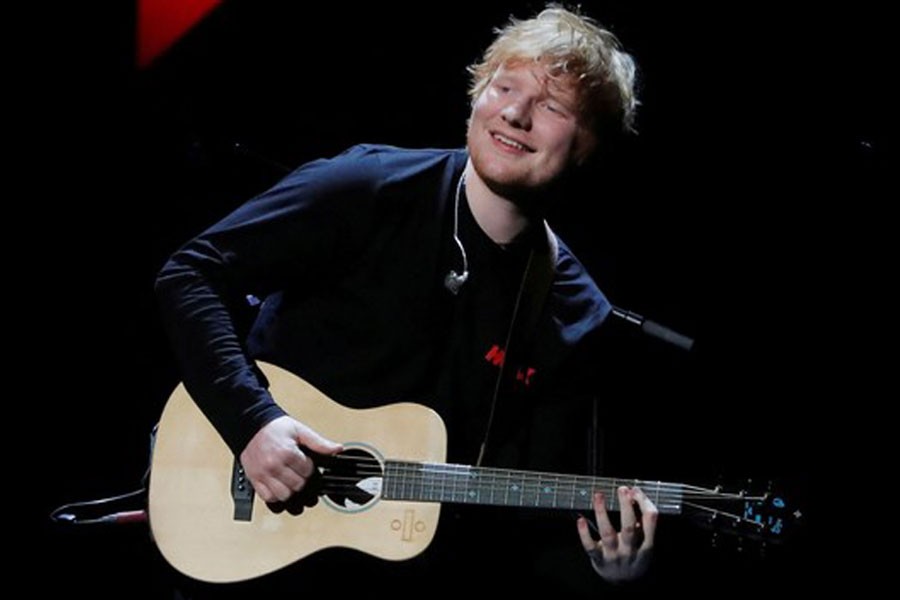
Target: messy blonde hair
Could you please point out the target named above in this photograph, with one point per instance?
(574, 47)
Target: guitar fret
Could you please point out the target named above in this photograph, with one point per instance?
(404, 480)
(456, 488)
(408, 482)
(427, 483)
(467, 487)
(417, 481)
(476, 486)
(464, 485)
(492, 486)
(388, 484)
(587, 492)
(447, 487)
(563, 494)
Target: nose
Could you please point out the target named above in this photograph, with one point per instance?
(518, 113)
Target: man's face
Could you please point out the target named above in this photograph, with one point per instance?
(525, 130)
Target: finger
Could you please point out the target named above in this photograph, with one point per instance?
(608, 537)
(626, 508)
(279, 490)
(263, 491)
(292, 475)
(594, 550)
(290, 463)
(310, 439)
(584, 533)
(649, 516)
(271, 490)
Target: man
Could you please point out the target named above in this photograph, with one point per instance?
(392, 274)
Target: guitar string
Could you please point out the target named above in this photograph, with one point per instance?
(422, 469)
(670, 492)
(673, 494)
(650, 488)
(664, 503)
(491, 480)
(485, 479)
(562, 500)
(666, 500)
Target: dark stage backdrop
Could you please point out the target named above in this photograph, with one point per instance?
(727, 219)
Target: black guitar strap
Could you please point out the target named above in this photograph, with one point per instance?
(536, 281)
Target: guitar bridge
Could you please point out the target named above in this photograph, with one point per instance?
(241, 493)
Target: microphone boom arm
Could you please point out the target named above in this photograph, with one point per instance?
(653, 328)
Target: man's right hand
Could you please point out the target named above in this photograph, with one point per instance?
(275, 463)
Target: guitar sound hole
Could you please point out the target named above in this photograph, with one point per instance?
(351, 481)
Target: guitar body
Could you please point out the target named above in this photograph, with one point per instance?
(191, 498)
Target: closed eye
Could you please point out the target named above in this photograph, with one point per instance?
(555, 109)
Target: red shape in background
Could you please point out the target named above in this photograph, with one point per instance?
(161, 23)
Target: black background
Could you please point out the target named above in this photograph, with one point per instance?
(745, 214)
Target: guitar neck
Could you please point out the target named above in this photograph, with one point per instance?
(462, 484)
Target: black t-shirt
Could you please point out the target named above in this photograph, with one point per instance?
(350, 255)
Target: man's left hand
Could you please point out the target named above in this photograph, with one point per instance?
(621, 556)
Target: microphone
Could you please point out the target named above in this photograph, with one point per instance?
(453, 281)
(655, 329)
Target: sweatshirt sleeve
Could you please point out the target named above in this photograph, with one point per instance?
(299, 233)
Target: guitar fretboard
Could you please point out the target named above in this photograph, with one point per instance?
(462, 484)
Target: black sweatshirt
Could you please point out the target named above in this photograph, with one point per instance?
(349, 255)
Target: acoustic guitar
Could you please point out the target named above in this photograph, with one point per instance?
(382, 495)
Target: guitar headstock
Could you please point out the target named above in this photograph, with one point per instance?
(764, 517)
